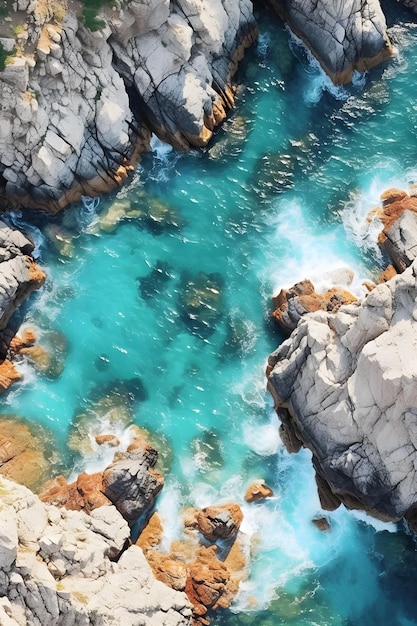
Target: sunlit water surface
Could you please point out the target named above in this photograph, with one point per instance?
(282, 194)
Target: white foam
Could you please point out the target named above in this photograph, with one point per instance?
(317, 82)
(263, 439)
(305, 253)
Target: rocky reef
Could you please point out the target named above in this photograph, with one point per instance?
(344, 386)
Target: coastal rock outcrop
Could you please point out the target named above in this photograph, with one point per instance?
(290, 305)
(344, 387)
(130, 483)
(343, 36)
(60, 566)
(81, 93)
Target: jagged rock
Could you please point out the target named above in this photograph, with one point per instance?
(290, 305)
(343, 36)
(345, 382)
(19, 275)
(131, 483)
(258, 490)
(398, 215)
(68, 129)
(67, 567)
(219, 522)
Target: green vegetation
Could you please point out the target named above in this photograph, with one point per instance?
(5, 57)
(90, 11)
(6, 7)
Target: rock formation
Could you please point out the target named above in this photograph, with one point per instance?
(344, 36)
(290, 305)
(19, 275)
(208, 563)
(66, 567)
(79, 98)
(130, 483)
(344, 387)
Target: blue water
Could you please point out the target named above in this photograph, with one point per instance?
(166, 319)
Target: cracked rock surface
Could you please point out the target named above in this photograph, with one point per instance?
(59, 567)
(344, 386)
(78, 105)
(344, 35)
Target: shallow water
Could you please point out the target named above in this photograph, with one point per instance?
(166, 317)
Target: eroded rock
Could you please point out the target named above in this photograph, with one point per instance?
(344, 383)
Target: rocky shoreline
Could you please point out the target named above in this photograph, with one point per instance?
(344, 383)
(79, 106)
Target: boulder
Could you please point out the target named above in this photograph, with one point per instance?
(344, 387)
(258, 490)
(219, 522)
(344, 36)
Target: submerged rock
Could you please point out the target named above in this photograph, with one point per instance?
(201, 299)
(25, 453)
(344, 387)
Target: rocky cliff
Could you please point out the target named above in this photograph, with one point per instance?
(81, 93)
(78, 101)
(343, 35)
(66, 567)
(344, 386)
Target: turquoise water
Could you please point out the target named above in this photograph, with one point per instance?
(166, 317)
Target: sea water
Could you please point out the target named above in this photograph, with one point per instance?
(166, 319)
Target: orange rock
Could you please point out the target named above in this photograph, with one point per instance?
(151, 534)
(258, 491)
(392, 195)
(219, 521)
(168, 570)
(387, 274)
(22, 457)
(110, 440)
(8, 375)
(207, 580)
(27, 338)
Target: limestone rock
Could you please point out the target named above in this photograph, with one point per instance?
(345, 382)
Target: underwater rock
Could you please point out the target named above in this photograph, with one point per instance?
(24, 457)
(48, 357)
(118, 211)
(344, 384)
(155, 281)
(258, 490)
(201, 300)
(292, 304)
